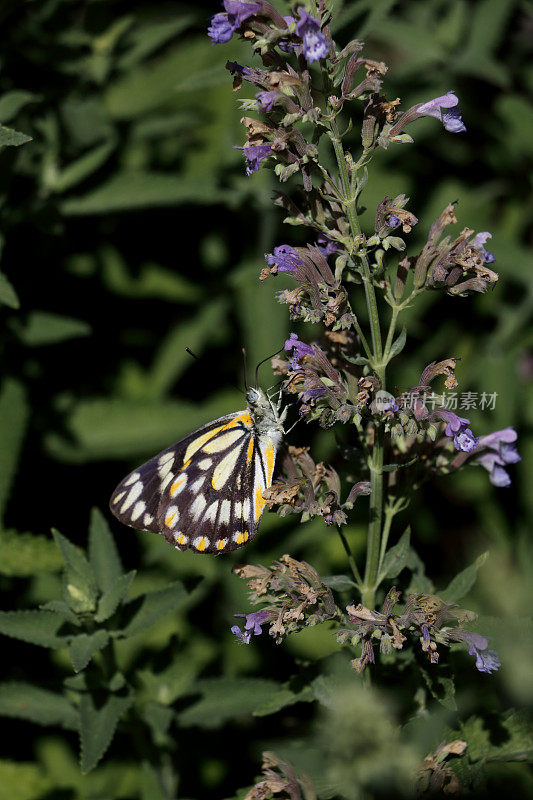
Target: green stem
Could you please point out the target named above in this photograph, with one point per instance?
(391, 509)
(390, 335)
(375, 521)
(351, 559)
(350, 202)
(376, 461)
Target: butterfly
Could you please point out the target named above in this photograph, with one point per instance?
(206, 491)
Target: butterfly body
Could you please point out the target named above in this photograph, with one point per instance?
(206, 491)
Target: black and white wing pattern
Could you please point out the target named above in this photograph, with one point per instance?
(206, 491)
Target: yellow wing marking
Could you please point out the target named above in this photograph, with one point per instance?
(223, 471)
(241, 538)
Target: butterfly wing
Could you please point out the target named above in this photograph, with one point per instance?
(135, 501)
(214, 503)
(204, 492)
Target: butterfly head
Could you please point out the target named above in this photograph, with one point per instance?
(266, 415)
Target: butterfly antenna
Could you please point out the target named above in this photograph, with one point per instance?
(245, 368)
(265, 360)
(190, 352)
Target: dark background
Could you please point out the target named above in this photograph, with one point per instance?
(130, 231)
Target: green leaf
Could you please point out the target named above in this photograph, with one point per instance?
(146, 610)
(225, 699)
(283, 698)
(153, 280)
(23, 554)
(398, 345)
(44, 328)
(12, 138)
(341, 583)
(113, 597)
(84, 166)
(150, 36)
(8, 296)
(98, 723)
(463, 582)
(25, 701)
(151, 788)
(103, 553)
(119, 428)
(19, 781)
(158, 718)
(136, 189)
(14, 413)
(12, 102)
(83, 647)
(396, 557)
(441, 687)
(35, 626)
(79, 584)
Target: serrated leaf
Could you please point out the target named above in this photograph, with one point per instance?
(35, 626)
(98, 723)
(441, 687)
(23, 554)
(44, 328)
(359, 361)
(83, 647)
(25, 701)
(79, 584)
(398, 345)
(463, 582)
(158, 718)
(225, 699)
(61, 608)
(8, 295)
(146, 610)
(103, 553)
(283, 698)
(396, 557)
(111, 599)
(14, 414)
(12, 138)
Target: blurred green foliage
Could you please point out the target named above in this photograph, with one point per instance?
(129, 231)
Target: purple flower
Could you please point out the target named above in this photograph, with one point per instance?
(486, 660)
(284, 257)
(223, 26)
(252, 625)
(433, 108)
(326, 246)
(479, 241)
(254, 154)
(465, 441)
(300, 349)
(266, 100)
(500, 451)
(315, 44)
(457, 428)
(393, 221)
(221, 29)
(234, 66)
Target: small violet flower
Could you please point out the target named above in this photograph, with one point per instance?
(500, 451)
(434, 108)
(479, 242)
(254, 154)
(224, 25)
(486, 660)
(284, 257)
(393, 221)
(315, 44)
(300, 349)
(252, 625)
(266, 100)
(456, 428)
(326, 246)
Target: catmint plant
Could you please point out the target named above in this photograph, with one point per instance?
(303, 92)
